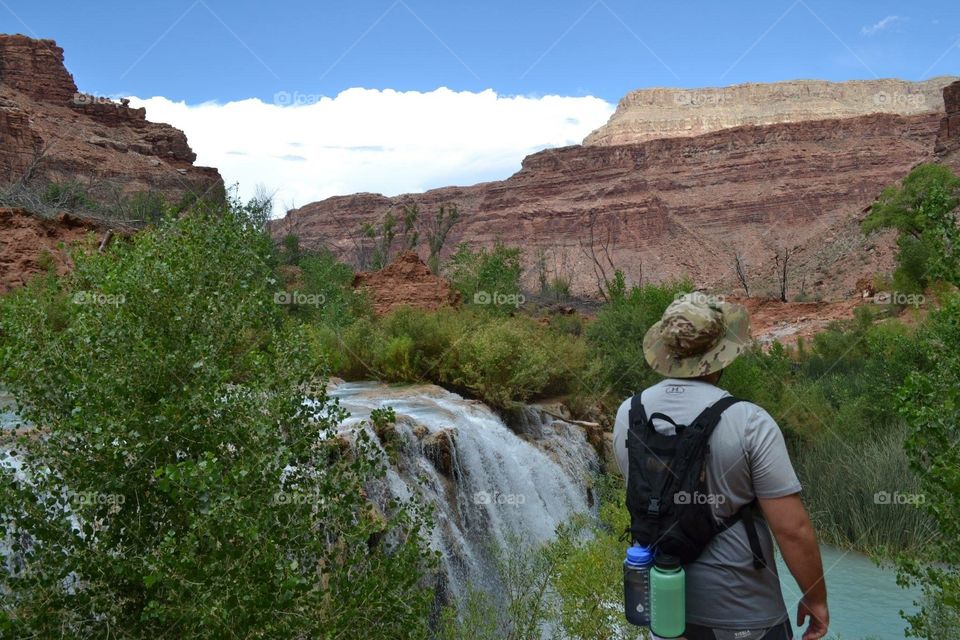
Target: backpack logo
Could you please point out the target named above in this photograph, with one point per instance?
(676, 388)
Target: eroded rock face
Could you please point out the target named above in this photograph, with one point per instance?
(649, 114)
(50, 132)
(680, 206)
(35, 68)
(407, 281)
(30, 245)
(948, 137)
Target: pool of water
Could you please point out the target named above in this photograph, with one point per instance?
(864, 599)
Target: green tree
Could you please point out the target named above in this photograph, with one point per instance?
(187, 477)
(921, 208)
(930, 404)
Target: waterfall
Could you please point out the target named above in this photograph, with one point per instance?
(488, 485)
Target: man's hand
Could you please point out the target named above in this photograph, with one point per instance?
(819, 619)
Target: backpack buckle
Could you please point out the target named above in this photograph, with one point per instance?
(654, 508)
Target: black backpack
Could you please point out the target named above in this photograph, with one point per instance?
(667, 496)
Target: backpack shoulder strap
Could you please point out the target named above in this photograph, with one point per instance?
(710, 416)
(708, 420)
(638, 414)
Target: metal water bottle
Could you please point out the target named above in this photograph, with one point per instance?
(636, 585)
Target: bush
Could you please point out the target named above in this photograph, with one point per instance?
(171, 398)
(929, 403)
(616, 335)
(921, 209)
(487, 272)
(497, 359)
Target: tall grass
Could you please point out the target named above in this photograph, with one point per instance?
(852, 490)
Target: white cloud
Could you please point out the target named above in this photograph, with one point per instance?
(887, 23)
(385, 141)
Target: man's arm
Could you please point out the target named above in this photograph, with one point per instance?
(794, 533)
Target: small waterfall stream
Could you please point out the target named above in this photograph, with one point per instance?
(490, 487)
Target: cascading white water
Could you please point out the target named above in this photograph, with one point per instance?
(497, 488)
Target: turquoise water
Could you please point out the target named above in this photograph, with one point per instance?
(864, 599)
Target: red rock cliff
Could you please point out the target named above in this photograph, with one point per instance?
(948, 137)
(50, 132)
(679, 206)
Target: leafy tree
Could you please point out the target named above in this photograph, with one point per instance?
(443, 221)
(930, 403)
(921, 208)
(186, 478)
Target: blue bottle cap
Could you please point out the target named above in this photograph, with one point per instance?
(639, 555)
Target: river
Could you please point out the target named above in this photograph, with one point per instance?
(864, 599)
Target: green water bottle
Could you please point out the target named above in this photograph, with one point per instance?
(667, 599)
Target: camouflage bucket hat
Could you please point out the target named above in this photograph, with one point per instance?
(697, 335)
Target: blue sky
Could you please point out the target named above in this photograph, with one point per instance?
(201, 51)
(226, 50)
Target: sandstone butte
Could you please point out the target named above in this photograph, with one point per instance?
(49, 132)
(683, 206)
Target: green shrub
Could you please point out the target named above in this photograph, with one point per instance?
(503, 361)
(930, 404)
(922, 208)
(616, 335)
(70, 196)
(146, 206)
(173, 387)
(484, 276)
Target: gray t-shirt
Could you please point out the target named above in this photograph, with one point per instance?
(748, 459)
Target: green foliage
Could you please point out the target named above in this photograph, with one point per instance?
(384, 233)
(498, 359)
(520, 610)
(443, 221)
(146, 206)
(846, 484)
(589, 580)
(328, 285)
(922, 210)
(616, 335)
(930, 404)
(481, 275)
(181, 487)
(70, 196)
(903, 207)
(289, 252)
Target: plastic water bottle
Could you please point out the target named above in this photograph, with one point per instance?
(636, 585)
(667, 599)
